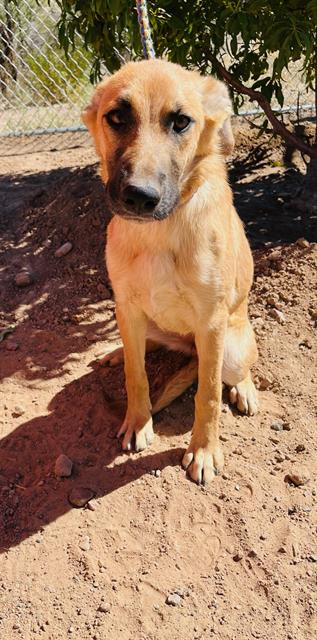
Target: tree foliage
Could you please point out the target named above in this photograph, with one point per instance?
(249, 43)
(244, 33)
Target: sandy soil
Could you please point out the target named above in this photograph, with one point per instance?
(237, 559)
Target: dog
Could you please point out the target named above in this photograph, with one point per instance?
(177, 255)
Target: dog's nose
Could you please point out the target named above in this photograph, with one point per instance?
(141, 199)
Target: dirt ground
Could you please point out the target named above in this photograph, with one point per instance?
(237, 559)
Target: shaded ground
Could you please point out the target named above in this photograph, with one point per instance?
(241, 554)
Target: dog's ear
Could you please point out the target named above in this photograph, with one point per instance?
(89, 115)
(218, 108)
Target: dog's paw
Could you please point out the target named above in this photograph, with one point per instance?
(203, 463)
(135, 436)
(113, 358)
(245, 396)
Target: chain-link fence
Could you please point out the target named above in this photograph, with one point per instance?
(42, 92)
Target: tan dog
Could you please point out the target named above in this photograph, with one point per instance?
(179, 261)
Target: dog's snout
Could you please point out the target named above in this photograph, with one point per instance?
(141, 199)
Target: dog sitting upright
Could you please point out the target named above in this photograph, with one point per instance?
(178, 259)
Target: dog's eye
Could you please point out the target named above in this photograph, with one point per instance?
(180, 122)
(116, 118)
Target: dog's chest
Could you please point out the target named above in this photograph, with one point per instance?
(174, 298)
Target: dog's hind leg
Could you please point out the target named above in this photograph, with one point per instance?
(239, 355)
(175, 386)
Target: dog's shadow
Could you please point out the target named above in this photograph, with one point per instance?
(81, 423)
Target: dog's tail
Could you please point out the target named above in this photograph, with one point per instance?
(175, 386)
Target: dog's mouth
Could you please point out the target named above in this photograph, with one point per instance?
(141, 205)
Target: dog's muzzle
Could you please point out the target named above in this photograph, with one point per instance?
(142, 201)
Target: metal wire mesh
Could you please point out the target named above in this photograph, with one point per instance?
(42, 92)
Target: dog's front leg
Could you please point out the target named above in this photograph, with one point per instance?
(204, 458)
(137, 424)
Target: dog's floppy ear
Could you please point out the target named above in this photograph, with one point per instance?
(217, 105)
(89, 115)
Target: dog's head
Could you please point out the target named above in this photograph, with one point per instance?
(153, 122)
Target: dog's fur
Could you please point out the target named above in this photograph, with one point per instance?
(181, 267)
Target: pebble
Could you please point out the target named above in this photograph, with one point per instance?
(84, 544)
(92, 505)
(300, 448)
(277, 315)
(79, 496)
(275, 256)
(297, 477)
(23, 279)
(18, 410)
(302, 242)
(63, 466)
(238, 556)
(173, 599)
(63, 250)
(104, 607)
(277, 426)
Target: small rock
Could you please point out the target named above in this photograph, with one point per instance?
(104, 607)
(300, 448)
(23, 279)
(298, 478)
(63, 466)
(47, 243)
(277, 315)
(63, 250)
(173, 599)
(302, 242)
(92, 505)
(79, 496)
(84, 544)
(157, 473)
(18, 410)
(275, 256)
(277, 426)
(238, 556)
